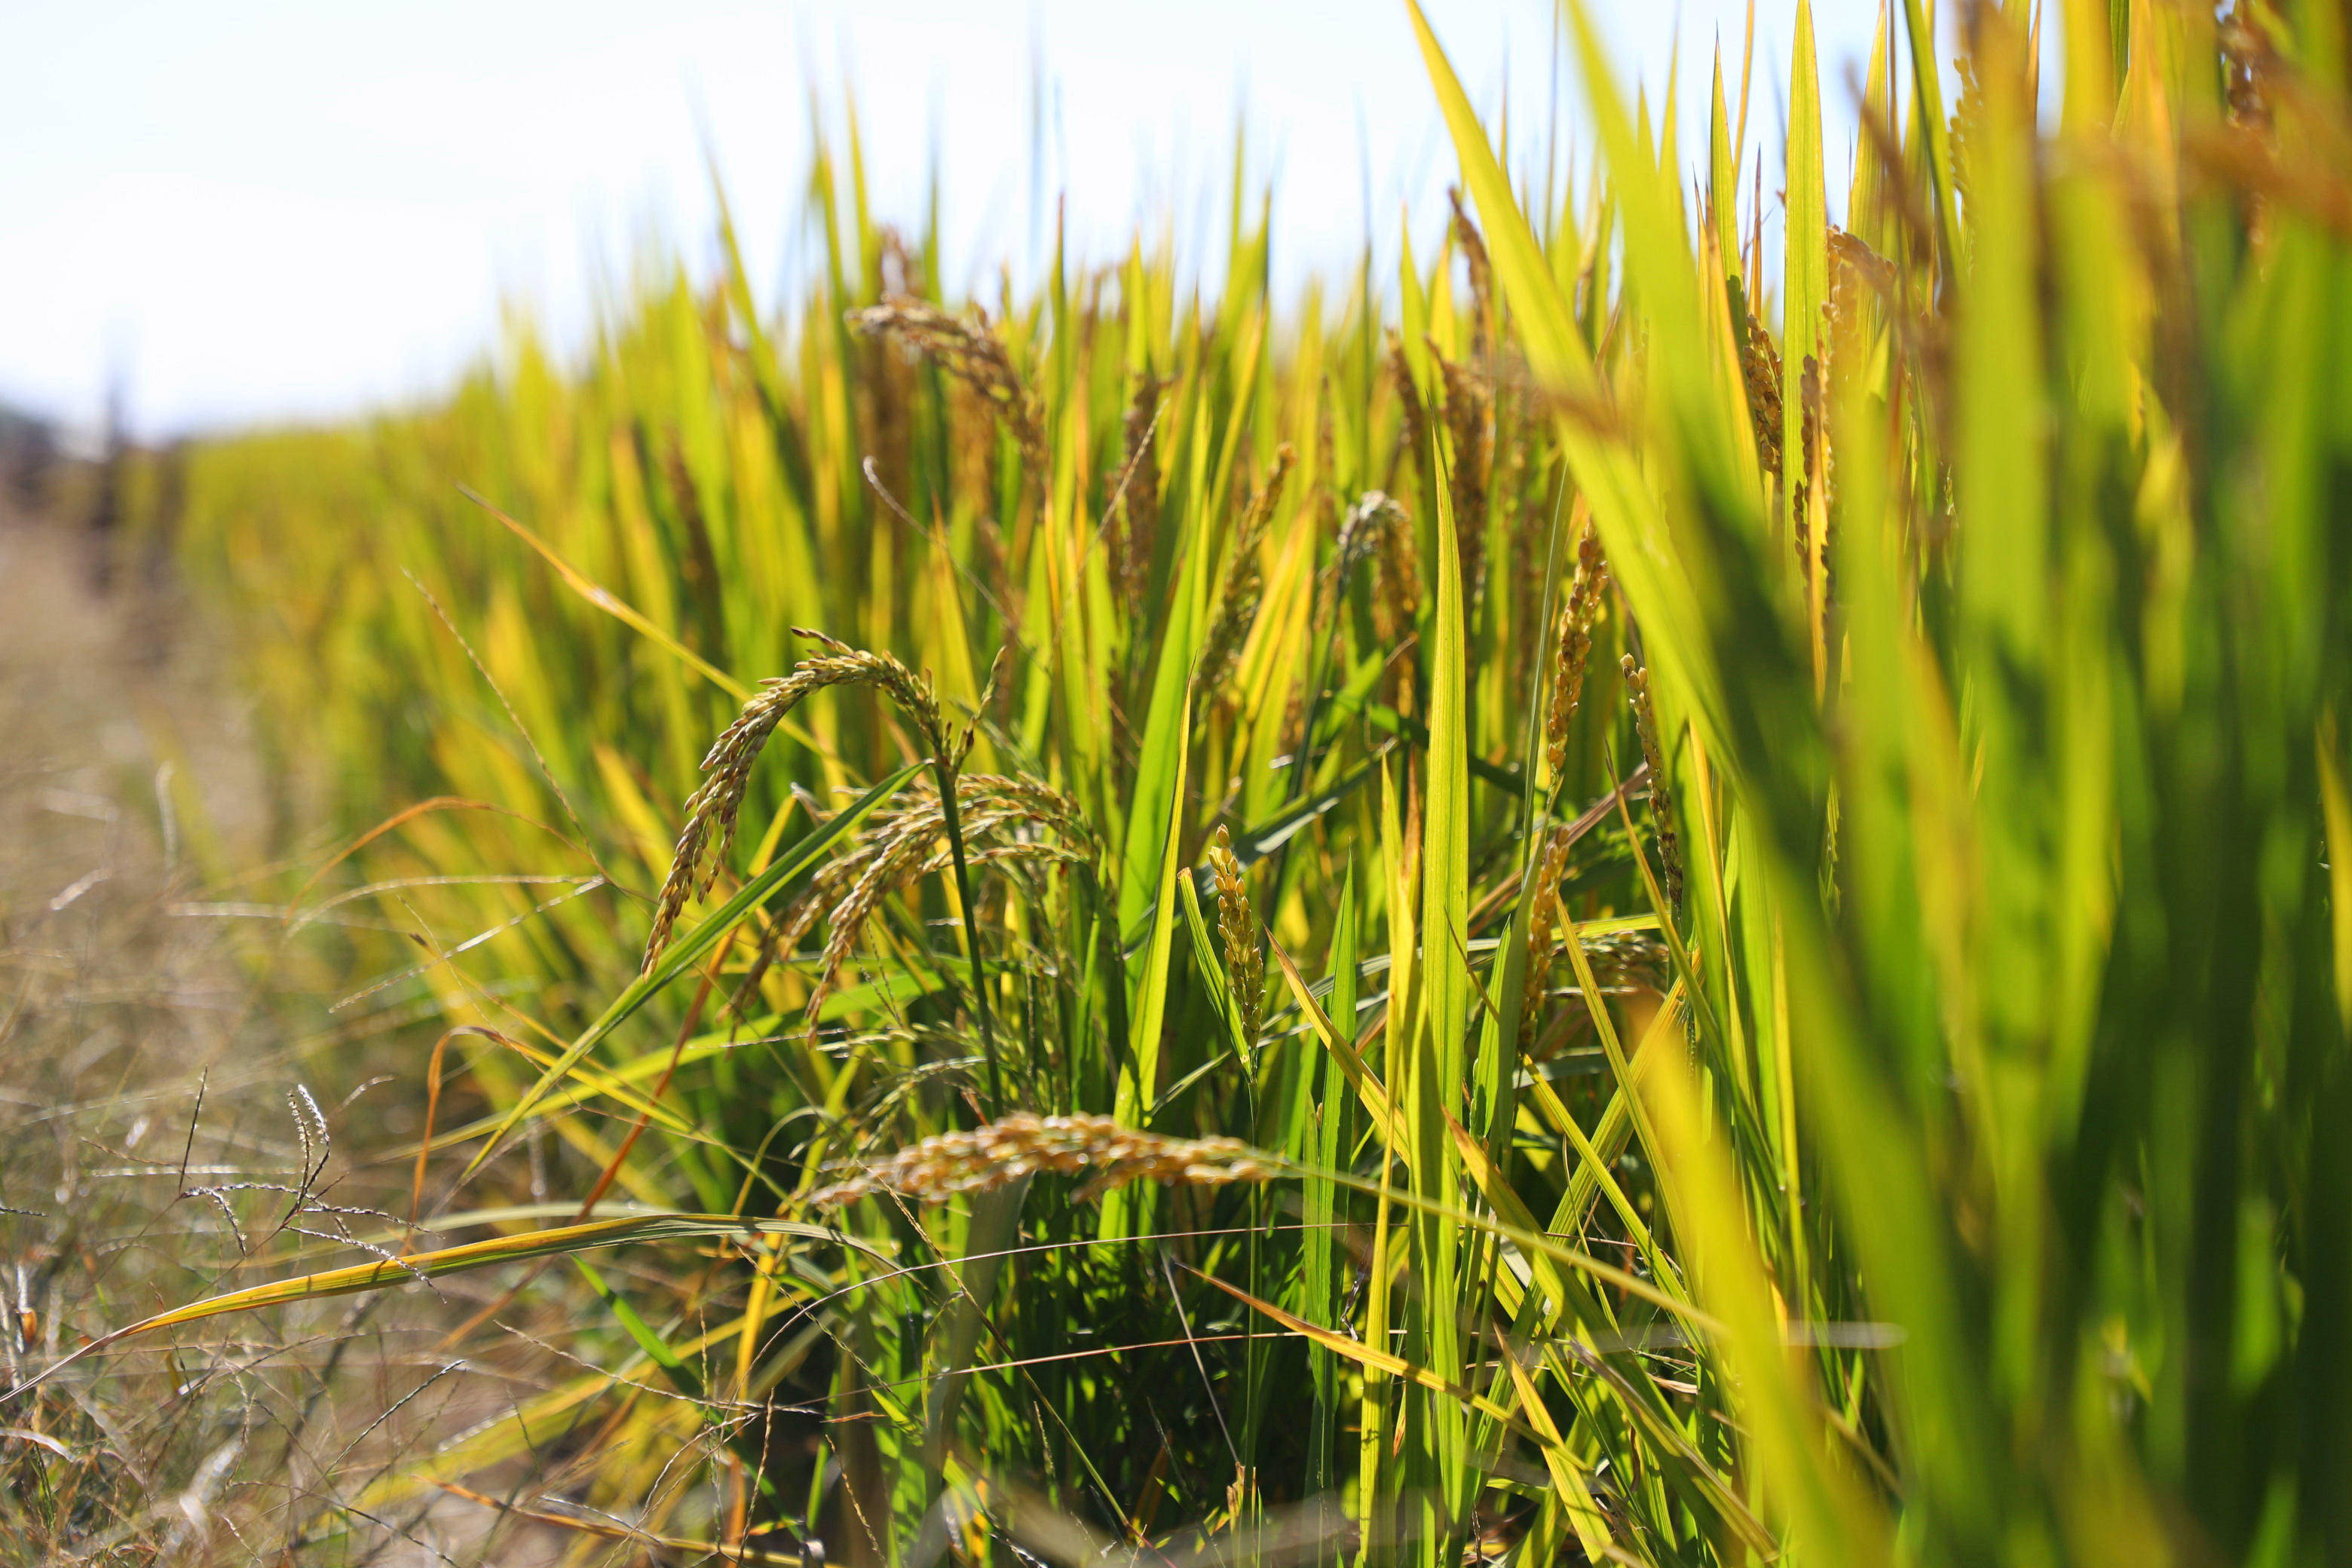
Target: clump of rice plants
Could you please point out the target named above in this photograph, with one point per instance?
(1744, 849)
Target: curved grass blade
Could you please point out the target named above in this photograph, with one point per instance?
(558, 1241)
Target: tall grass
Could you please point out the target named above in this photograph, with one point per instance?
(1743, 839)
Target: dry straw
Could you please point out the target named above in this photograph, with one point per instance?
(1023, 1144)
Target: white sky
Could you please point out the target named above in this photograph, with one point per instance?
(256, 210)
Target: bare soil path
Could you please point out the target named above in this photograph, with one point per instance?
(149, 1050)
(123, 763)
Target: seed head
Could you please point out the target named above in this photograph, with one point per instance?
(1238, 600)
(1412, 428)
(1573, 644)
(1004, 820)
(1003, 1152)
(1549, 872)
(1482, 272)
(965, 348)
(1661, 815)
(1237, 927)
(1138, 502)
(1760, 367)
(1382, 528)
(1467, 406)
(711, 810)
(1360, 532)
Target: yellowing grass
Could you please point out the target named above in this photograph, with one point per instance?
(1926, 1154)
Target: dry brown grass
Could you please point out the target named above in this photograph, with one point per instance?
(165, 1137)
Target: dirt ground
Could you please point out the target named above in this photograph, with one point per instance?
(151, 1092)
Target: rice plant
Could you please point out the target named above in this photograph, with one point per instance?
(1618, 898)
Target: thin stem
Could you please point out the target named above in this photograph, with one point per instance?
(954, 822)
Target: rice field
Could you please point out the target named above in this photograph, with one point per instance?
(1624, 897)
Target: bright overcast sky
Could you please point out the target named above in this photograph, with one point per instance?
(259, 210)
